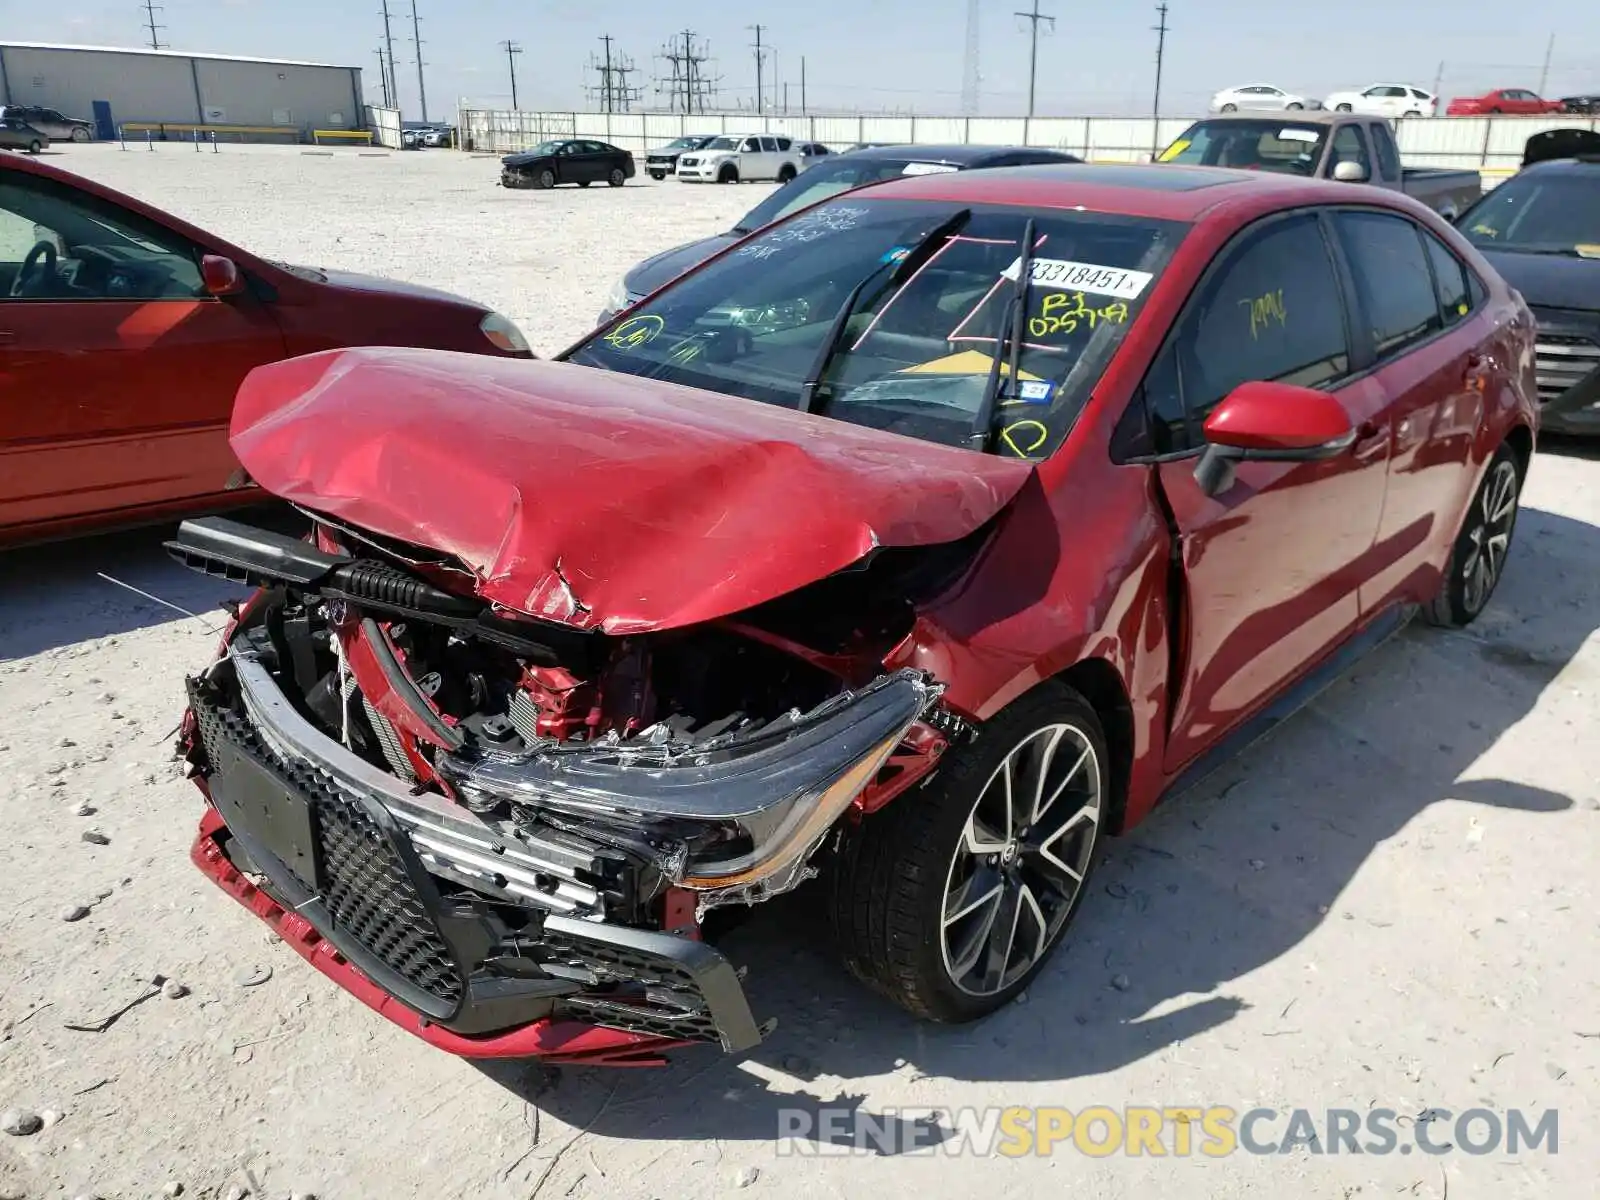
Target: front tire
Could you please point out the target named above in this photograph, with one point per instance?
(951, 900)
(786, 173)
(80, 134)
(728, 175)
(35, 147)
(616, 178)
(1478, 559)
(658, 176)
(1295, 107)
(545, 179)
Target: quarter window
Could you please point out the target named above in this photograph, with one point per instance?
(1449, 280)
(1274, 312)
(1392, 279)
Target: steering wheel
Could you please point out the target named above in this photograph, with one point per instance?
(37, 275)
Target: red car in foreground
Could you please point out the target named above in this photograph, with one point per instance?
(125, 332)
(1513, 101)
(917, 541)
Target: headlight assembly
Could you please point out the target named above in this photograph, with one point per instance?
(504, 335)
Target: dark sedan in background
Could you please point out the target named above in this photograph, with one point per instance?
(663, 160)
(1541, 230)
(17, 134)
(572, 160)
(832, 174)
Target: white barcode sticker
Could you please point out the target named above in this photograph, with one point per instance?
(1083, 277)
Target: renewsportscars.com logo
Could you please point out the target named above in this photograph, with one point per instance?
(1175, 1131)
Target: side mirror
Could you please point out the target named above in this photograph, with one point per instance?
(220, 275)
(1276, 422)
(1349, 172)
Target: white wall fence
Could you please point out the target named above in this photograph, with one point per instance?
(1491, 144)
(385, 126)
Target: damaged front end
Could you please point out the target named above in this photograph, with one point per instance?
(505, 823)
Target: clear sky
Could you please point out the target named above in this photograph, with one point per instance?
(882, 55)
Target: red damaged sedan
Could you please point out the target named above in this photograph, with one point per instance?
(125, 333)
(915, 543)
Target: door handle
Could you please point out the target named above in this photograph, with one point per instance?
(1477, 372)
(7, 337)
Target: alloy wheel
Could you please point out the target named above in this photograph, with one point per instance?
(1489, 535)
(1019, 867)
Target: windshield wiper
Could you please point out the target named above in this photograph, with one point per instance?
(1008, 340)
(899, 270)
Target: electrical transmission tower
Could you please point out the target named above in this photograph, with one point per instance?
(685, 82)
(150, 11)
(971, 78)
(1034, 18)
(613, 93)
(512, 49)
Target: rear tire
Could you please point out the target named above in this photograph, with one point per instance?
(80, 134)
(1478, 558)
(728, 175)
(951, 900)
(584, 182)
(1295, 107)
(616, 178)
(1342, 108)
(545, 179)
(1230, 108)
(1413, 113)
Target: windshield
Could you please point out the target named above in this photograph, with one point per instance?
(1265, 145)
(683, 143)
(914, 354)
(829, 179)
(723, 143)
(546, 148)
(1546, 213)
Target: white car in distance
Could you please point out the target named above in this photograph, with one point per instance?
(736, 157)
(1259, 96)
(1393, 100)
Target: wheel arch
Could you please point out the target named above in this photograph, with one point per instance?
(1099, 682)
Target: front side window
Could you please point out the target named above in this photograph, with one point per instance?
(1272, 312)
(59, 245)
(1544, 212)
(1350, 146)
(1392, 277)
(887, 313)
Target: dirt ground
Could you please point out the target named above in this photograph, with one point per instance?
(1391, 903)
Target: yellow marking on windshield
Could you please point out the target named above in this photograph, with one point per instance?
(1264, 310)
(1063, 313)
(635, 331)
(1034, 433)
(965, 362)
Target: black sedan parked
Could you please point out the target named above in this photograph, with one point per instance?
(574, 160)
(1541, 231)
(663, 160)
(832, 174)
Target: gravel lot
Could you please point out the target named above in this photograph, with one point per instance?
(1392, 903)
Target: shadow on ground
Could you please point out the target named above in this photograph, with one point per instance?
(66, 592)
(1176, 906)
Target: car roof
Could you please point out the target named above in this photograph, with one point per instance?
(1301, 117)
(1159, 191)
(954, 153)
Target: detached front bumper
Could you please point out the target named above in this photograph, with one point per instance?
(328, 851)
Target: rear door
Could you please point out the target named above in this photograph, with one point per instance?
(117, 369)
(1415, 314)
(762, 160)
(1272, 567)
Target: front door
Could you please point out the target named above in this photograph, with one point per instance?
(1272, 566)
(117, 369)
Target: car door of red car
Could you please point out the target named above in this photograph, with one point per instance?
(117, 367)
(1273, 565)
(1416, 314)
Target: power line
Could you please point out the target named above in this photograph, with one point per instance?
(150, 11)
(761, 55)
(971, 79)
(1034, 18)
(1161, 49)
(512, 49)
(416, 40)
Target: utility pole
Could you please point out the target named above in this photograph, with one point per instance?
(1034, 18)
(607, 103)
(388, 42)
(383, 78)
(802, 84)
(1438, 79)
(1544, 74)
(970, 76)
(416, 39)
(1161, 49)
(687, 81)
(512, 49)
(760, 60)
(150, 11)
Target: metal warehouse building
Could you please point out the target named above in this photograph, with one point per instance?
(112, 86)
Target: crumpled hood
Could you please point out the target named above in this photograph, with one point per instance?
(598, 499)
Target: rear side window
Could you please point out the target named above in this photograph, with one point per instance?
(1392, 279)
(1383, 146)
(1449, 280)
(1272, 312)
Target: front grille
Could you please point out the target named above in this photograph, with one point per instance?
(660, 997)
(367, 892)
(1561, 361)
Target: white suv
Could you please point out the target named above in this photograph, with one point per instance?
(738, 156)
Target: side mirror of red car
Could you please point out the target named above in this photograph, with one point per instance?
(1271, 421)
(220, 275)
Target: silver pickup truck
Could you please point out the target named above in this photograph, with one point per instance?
(1322, 145)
